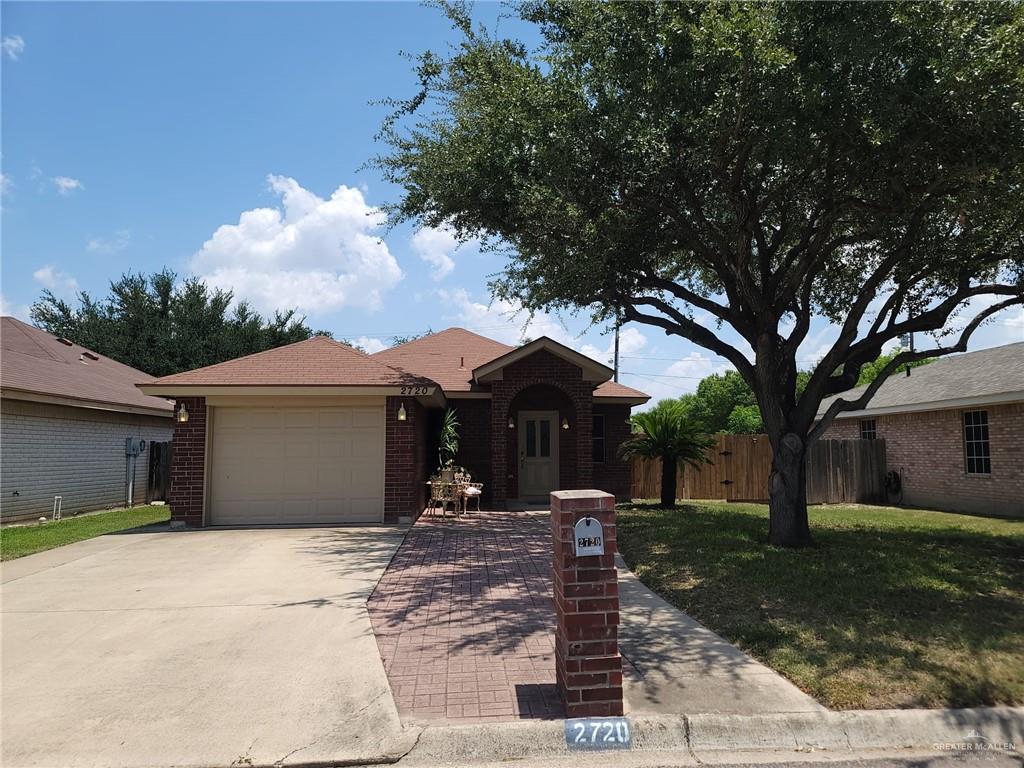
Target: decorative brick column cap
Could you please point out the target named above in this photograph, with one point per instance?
(586, 500)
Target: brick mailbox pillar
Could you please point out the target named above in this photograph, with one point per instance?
(588, 666)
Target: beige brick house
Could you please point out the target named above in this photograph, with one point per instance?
(953, 430)
(66, 413)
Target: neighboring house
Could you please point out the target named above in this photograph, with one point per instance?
(953, 430)
(317, 432)
(65, 413)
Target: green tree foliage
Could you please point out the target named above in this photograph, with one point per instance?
(745, 420)
(665, 433)
(161, 326)
(872, 370)
(757, 163)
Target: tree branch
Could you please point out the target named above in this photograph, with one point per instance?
(840, 405)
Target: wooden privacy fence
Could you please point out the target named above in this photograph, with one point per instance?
(837, 471)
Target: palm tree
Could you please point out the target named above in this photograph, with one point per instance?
(666, 433)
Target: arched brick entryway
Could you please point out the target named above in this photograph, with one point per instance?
(542, 381)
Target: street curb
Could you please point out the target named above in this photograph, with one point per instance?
(695, 735)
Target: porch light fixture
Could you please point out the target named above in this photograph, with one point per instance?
(181, 415)
(401, 412)
(511, 423)
(565, 423)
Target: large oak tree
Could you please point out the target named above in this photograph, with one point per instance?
(693, 166)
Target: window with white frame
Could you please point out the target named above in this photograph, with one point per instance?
(868, 429)
(977, 452)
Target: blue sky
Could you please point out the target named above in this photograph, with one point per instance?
(226, 140)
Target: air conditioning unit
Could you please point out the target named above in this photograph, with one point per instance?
(133, 446)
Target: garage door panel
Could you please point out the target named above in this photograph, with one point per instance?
(372, 418)
(335, 417)
(299, 419)
(297, 465)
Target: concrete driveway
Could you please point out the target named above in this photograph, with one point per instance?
(214, 647)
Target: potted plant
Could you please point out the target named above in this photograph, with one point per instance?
(448, 445)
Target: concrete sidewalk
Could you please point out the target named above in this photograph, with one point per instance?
(677, 665)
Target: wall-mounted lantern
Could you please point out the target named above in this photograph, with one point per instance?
(565, 423)
(181, 415)
(402, 415)
(511, 423)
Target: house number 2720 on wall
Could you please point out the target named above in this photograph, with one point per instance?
(415, 390)
(589, 537)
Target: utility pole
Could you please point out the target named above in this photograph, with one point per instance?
(618, 321)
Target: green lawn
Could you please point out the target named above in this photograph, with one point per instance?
(891, 608)
(22, 540)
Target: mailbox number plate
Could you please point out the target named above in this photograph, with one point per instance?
(597, 733)
(589, 536)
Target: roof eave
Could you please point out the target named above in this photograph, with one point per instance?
(10, 393)
(936, 405)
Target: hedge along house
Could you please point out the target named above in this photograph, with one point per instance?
(65, 416)
(953, 431)
(319, 433)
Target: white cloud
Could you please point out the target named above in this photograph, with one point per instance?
(20, 311)
(312, 254)
(117, 242)
(13, 46)
(6, 184)
(66, 185)
(61, 283)
(435, 245)
(369, 344)
(502, 320)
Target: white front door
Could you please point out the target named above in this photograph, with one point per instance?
(538, 453)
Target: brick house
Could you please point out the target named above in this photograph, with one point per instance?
(953, 430)
(65, 414)
(317, 432)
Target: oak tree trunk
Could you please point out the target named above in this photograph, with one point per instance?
(787, 492)
(669, 467)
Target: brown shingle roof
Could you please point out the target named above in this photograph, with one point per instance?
(35, 362)
(315, 362)
(447, 357)
(614, 389)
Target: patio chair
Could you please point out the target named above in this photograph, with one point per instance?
(469, 490)
(445, 493)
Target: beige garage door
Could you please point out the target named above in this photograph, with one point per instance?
(297, 465)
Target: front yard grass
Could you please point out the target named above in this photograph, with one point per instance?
(18, 541)
(890, 608)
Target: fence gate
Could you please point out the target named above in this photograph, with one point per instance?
(159, 471)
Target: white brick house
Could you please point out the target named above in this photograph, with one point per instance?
(65, 413)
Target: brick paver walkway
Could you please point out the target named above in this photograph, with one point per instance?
(465, 622)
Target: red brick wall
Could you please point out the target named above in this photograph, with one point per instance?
(474, 441)
(405, 462)
(615, 474)
(541, 368)
(927, 448)
(188, 462)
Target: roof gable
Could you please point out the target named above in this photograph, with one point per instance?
(37, 363)
(592, 370)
